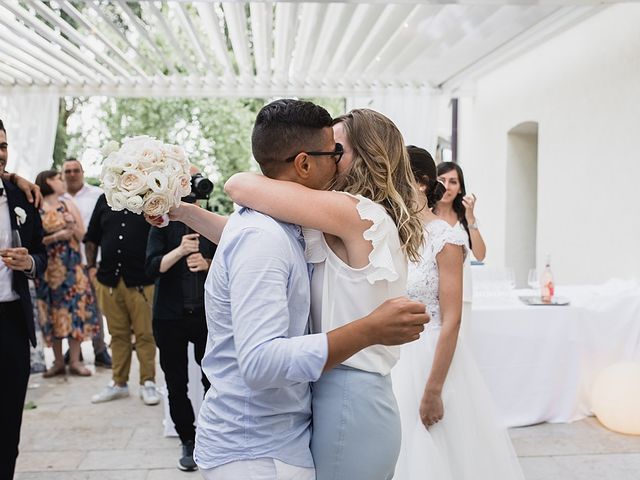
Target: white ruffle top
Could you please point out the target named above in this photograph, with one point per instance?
(341, 294)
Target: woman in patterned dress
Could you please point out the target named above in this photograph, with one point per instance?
(65, 302)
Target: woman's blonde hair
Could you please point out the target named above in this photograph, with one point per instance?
(380, 170)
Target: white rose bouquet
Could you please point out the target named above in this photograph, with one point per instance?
(145, 175)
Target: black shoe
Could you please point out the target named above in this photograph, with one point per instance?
(103, 359)
(67, 357)
(186, 463)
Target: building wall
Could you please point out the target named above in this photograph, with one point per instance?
(582, 88)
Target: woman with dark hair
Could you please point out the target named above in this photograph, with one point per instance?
(449, 428)
(66, 304)
(456, 207)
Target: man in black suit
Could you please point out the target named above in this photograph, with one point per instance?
(18, 262)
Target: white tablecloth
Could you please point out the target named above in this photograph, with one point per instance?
(540, 362)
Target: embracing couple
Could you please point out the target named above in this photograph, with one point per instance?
(289, 313)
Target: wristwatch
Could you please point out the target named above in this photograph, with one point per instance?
(473, 226)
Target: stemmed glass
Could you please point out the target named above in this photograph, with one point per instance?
(533, 280)
(10, 239)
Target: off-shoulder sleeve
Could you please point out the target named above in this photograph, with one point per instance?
(442, 233)
(379, 234)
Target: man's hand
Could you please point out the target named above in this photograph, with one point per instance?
(397, 321)
(92, 271)
(189, 244)
(31, 190)
(17, 258)
(431, 408)
(197, 263)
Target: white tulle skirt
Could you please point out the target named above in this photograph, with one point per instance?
(469, 443)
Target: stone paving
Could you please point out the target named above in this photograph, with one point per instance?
(65, 437)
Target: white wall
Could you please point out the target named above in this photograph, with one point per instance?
(582, 87)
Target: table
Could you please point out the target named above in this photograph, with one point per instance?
(540, 362)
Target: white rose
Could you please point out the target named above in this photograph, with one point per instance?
(174, 152)
(172, 168)
(110, 147)
(118, 201)
(109, 180)
(133, 145)
(157, 181)
(156, 204)
(183, 183)
(132, 181)
(21, 215)
(134, 204)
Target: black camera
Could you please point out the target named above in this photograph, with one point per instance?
(201, 188)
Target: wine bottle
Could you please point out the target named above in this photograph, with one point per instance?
(546, 283)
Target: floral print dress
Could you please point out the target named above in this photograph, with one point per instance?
(66, 304)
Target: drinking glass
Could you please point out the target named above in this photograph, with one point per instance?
(10, 239)
(533, 280)
(510, 275)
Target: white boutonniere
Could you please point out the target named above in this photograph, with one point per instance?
(21, 215)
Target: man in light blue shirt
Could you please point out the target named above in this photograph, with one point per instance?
(255, 420)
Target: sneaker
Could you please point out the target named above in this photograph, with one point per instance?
(149, 393)
(186, 462)
(103, 359)
(110, 392)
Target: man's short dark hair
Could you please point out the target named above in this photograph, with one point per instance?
(2, 127)
(284, 128)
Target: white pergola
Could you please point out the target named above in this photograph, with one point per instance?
(263, 49)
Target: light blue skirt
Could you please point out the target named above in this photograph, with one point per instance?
(356, 426)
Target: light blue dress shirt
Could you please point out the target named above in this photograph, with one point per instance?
(259, 359)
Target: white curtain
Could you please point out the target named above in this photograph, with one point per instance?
(413, 110)
(30, 120)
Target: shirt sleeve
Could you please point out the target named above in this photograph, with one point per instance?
(259, 277)
(94, 229)
(156, 250)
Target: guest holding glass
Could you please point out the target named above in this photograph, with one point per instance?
(66, 304)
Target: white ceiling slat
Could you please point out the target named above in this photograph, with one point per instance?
(68, 30)
(136, 22)
(80, 18)
(392, 19)
(261, 28)
(178, 51)
(417, 45)
(354, 36)
(189, 29)
(211, 27)
(286, 26)
(21, 45)
(7, 79)
(34, 73)
(336, 22)
(273, 47)
(20, 77)
(312, 18)
(33, 63)
(38, 33)
(236, 24)
(401, 39)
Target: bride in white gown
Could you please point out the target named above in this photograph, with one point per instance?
(450, 430)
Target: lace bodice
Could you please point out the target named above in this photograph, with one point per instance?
(423, 280)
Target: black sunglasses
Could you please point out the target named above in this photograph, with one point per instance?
(337, 154)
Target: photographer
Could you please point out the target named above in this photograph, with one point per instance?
(179, 260)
